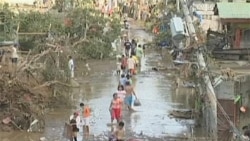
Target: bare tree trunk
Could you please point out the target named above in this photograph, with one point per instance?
(139, 12)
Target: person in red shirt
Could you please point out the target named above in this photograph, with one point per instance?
(115, 108)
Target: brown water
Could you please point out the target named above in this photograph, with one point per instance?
(154, 89)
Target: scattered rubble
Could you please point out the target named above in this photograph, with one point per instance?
(182, 114)
(26, 92)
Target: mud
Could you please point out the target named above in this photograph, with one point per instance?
(155, 90)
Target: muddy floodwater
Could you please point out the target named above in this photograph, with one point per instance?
(155, 89)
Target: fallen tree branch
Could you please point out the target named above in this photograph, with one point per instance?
(16, 125)
(46, 84)
(27, 63)
(78, 42)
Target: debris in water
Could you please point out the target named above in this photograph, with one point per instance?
(6, 120)
(189, 84)
(155, 69)
(43, 139)
(178, 62)
(182, 114)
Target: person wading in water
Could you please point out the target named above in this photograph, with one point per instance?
(131, 65)
(86, 112)
(123, 64)
(115, 108)
(129, 100)
(120, 132)
(127, 46)
(73, 123)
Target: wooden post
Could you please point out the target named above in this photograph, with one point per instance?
(139, 6)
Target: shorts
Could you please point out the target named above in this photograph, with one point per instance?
(129, 100)
(116, 114)
(86, 121)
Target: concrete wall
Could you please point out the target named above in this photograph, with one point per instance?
(225, 90)
(244, 90)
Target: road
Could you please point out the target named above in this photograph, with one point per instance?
(154, 89)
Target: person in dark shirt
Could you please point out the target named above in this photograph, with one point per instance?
(127, 46)
(74, 127)
(126, 25)
(133, 49)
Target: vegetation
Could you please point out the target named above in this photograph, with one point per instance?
(83, 30)
(41, 76)
(160, 18)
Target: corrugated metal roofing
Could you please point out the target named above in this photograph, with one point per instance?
(234, 10)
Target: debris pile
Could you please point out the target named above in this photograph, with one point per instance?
(25, 92)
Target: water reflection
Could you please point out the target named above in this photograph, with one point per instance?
(184, 96)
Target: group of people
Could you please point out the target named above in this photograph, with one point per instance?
(131, 59)
(123, 99)
(79, 119)
(125, 96)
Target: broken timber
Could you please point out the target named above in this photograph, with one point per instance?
(33, 33)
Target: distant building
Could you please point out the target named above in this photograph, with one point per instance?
(235, 20)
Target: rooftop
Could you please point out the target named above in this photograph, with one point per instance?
(234, 10)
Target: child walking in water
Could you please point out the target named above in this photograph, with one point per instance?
(119, 134)
(85, 117)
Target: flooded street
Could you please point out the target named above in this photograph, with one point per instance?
(155, 89)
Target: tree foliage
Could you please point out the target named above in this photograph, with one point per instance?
(160, 17)
(96, 31)
(38, 78)
(82, 29)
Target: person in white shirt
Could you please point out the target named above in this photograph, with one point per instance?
(14, 55)
(78, 119)
(71, 66)
(118, 66)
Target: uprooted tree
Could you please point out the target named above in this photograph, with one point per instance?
(41, 77)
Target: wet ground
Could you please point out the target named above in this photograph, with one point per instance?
(151, 121)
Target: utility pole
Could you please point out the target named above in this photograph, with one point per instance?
(178, 6)
(202, 66)
(209, 87)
